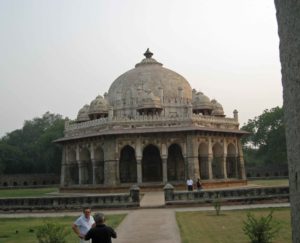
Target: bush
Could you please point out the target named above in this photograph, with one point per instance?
(217, 204)
(51, 233)
(262, 230)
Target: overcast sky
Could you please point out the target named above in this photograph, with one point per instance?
(58, 55)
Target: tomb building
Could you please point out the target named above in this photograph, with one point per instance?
(151, 128)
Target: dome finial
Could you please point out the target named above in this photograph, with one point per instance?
(148, 54)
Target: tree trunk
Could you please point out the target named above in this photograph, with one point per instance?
(288, 18)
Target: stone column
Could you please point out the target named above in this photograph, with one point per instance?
(223, 166)
(165, 169)
(139, 170)
(192, 158)
(95, 167)
(223, 163)
(138, 155)
(164, 156)
(241, 162)
(209, 167)
(210, 159)
(81, 168)
(111, 160)
(63, 178)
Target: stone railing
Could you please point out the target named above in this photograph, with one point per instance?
(149, 121)
(120, 200)
(240, 195)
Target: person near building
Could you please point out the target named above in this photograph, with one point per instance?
(199, 185)
(189, 184)
(101, 233)
(83, 224)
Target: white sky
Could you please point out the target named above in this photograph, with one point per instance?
(57, 55)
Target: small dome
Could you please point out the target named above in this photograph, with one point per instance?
(98, 108)
(201, 102)
(217, 109)
(83, 115)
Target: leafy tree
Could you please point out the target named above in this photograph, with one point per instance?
(30, 149)
(266, 142)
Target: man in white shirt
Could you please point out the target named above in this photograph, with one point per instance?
(83, 224)
(189, 184)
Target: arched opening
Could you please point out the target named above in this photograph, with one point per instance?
(231, 161)
(99, 165)
(72, 175)
(86, 167)
(127, 165)
(151, 164)
(203, 160)
(175, 163)
(217, 161)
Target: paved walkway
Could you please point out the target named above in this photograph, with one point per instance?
(150, 223)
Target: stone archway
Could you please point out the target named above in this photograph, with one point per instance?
(231, 161)
(151, 164)
(175, 163)
(99, 165)
(86, 167)
(217, 161)
(203, 160)
(128, 165)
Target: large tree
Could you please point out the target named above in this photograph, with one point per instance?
(266, 142)
(288, 18)
(30, 149)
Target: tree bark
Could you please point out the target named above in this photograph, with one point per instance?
(288, 18)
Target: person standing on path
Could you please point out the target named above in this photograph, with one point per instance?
(101, 233)
(83, 224)
(189, 184)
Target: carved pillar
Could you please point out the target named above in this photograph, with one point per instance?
(139, 170)
(209, 167)
(111, 168)
(223, 160)
(223, 166)
(209, 160)
(164, 156)
(165, 169)
(63, 178)
(82, 173)
(138, 154)
(192, 158)
(95, 169)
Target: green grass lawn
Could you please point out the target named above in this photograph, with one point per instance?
(27, 192)
(271, 182)
(206, 227)
(26, 228)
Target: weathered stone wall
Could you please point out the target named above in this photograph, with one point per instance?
(131, 199)
(271, 171)
(20, 180)
(239, 195)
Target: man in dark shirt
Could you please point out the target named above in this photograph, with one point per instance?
(101, 233)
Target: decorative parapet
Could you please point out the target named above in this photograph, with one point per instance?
(71, 202)
(140, 121)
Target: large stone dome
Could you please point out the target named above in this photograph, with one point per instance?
(149, 75)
